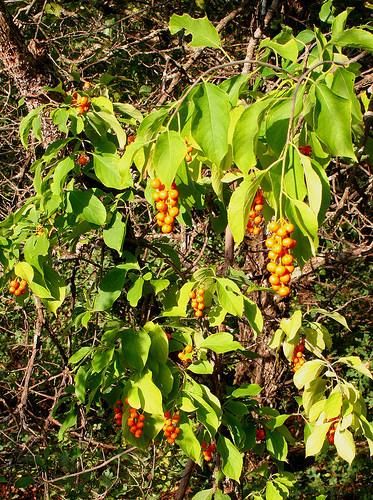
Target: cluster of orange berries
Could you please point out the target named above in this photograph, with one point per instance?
(18, 288)
(171, 429)
(331, 431)
(166, 202)
(260, 434)
(118, 413)
(208, 450)
(254, 224)
(279, 244)
(82, 159)
(188, 156)
(81, 102)
(135, 422)
(198, 301)
(183, 355)
(298, 357)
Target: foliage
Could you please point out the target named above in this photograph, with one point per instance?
(126, 312)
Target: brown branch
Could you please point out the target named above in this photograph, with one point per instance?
(35, 347)
(185, 478)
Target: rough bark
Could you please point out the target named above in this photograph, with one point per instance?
(28, 73)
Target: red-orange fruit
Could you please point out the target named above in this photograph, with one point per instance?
(161, 206)
(287, 259)
(166, 228)
(173, 211)
(156, 183)
(174, 194)
(283, 291)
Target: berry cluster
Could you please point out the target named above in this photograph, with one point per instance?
(279, 244)
(81, 102)
(166, 202)
(82, 159)
(331, 431)
(306, 150)
(198, 301)
(188, 156)
(254, 224)
(18, 288)
(135, 422)
(260, 435)
(183, 355)
(170, 427)
(118, 413)
(208, 450)
(298, 357)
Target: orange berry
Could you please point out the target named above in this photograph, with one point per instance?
(289, 243)
(160, 223)
(192, 294)
(83, 100)
(252, 214)
(290, 269)
(130, 421)
(156, 196)
(188, 348)
(161, 206)
(271, 267)
(174, 194)
(188, 158)
(141, 418)
(169, 220)
(173, 211)
(17, 292)
(170, 440)
(258, 200)
(289, 227)
(12, 289)
(194, 304)
(133, 429)
(23, 284)
(138, 433)
(258, 208)
(280, 270)
(156, 183)
(163, 195)
(287, 259)
(140, 425)
(166, 229)
(198, 314)
(173, 436)
(285, 278)
(258, 219)
(201, 306)
(299, 355)
(172, 203)
(273, 227)
(277, 248)
(282, 232)
(272, 255)
(283, 291)
(269, 242)
(160, 216)
(256, 231)
(276, 287)
(274, 279)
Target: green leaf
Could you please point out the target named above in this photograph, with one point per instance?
(356, 363)
(250, 390)
(201, 367)
(354, 37)
(333, 405)
(145, 394)
(135, 348)
(230, 297)
(240, 205)
(170, 150)
(115, 127)
(204, 495)
(102, 359)
(79, 355)
(367, 429)
(203, 32)
(338, 137)
(80, 384)
(315, 440)
(134, 294)
(188, 442)
(26, 125)
(232, 459)
(129, 110)
(253, 315)
(86, 206)
(110, 289)
(24, 271)
(272, 493)
(69, 421)
(287, 50)
(344, 444)
(220, 343)
(112, 171)
(305, 220)
(61, 171)
(211, 121)
(308, 372)
(115, 233)
(245, 136)
(292, 325)
(159, 342)
(333, 315)
(276, 445)
(233, 87)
